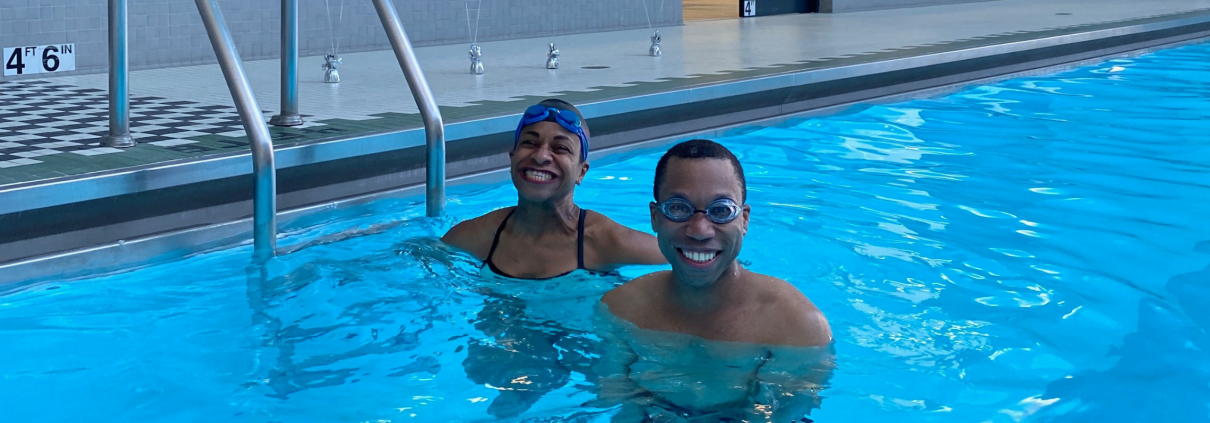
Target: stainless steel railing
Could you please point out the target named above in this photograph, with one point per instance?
(119, 78)
(434, 130)
(289, 67)
(264, 174)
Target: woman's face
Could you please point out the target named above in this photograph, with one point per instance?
(546, 162)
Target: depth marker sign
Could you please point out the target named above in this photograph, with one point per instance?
(38, 59)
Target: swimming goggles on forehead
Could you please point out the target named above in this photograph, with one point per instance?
(568, 119)
(719, 211)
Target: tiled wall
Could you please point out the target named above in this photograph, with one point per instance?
(165, 33)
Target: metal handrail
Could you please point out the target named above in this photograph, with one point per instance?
(119, 78)
(434, 130)
(289, 67)
(264, 174)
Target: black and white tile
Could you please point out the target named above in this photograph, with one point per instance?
(41, 118)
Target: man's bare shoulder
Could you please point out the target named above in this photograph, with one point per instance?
(771, 290)
(634, 300)
(475, 235)
(791, 316)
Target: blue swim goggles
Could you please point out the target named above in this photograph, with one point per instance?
(568, 119)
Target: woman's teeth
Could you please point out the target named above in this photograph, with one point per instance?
(699, 257)
(537, 175)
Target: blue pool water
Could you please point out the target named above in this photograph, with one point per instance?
(1032, 250)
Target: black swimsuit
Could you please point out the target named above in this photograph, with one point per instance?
(579, 248)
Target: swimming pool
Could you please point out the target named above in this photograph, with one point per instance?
(1032, 250)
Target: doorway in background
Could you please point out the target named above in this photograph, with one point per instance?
(696, 10)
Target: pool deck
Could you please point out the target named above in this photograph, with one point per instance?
(711, 74)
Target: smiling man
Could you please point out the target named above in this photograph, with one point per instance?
(700, 219)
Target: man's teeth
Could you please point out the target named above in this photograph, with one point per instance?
(537, 176)
(699, 257)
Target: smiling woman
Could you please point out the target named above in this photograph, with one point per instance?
(535, 239)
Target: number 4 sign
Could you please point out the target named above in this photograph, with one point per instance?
(749, 8)
(39, 59)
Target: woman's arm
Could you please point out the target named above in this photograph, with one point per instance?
(475, 235)
(464, 236)
(616, 246)
(634, 247)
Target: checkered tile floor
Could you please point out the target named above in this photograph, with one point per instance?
(41, 118)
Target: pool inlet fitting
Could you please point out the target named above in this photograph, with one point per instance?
(552, 57)
(331, 62)
(476, 59)
(654, 51)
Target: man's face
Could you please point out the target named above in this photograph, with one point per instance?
(699, 249)
(546, 162)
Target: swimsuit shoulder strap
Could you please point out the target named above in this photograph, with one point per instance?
(580, 240)
(496, 239)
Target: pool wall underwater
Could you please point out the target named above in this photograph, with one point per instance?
(111, 221)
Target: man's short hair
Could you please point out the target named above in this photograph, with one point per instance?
(700, 149)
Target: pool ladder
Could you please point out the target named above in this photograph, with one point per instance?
(264, 203)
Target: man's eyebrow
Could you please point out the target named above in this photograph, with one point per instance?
(717, 196)
(531, 132)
